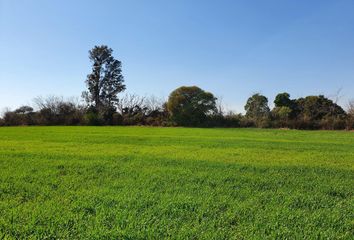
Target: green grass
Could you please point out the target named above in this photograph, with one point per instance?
(178, 183)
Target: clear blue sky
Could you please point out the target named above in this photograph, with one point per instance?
(229, 47)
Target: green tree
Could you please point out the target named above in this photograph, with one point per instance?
(281, 116)
(283, 100)
(320, 112)
(284, 109)
(318, 107)
(257, 107)
(190, 106)
(105, 81)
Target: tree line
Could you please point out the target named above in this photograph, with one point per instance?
(188, 106)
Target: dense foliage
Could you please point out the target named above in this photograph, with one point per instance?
(190, 106)
(185, 109)
(186, 106)
(257, 110)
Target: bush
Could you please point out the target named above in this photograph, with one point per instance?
(247, 123)
(333, 123)
(230, 120)
(93, 119)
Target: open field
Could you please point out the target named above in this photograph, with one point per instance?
(178, 183)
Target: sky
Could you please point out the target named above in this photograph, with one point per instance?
(231, 48)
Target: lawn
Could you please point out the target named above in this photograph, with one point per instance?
(177, 183)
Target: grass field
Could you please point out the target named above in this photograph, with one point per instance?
(178, 183)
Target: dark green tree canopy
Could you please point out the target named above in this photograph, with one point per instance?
(106, 79)
(283, 100)
(283, 103)
(318, 107)
(257, 107)
(189, 106)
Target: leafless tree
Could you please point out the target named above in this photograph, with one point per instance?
(337, 96)
(153, 103)
(129, 103)
(50, 102)
(4, 111)
(350, 108)
(55, 103)
(220, 106)
(350, 117)
(55, 110)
